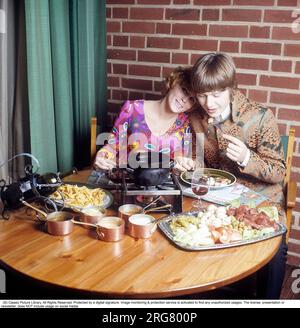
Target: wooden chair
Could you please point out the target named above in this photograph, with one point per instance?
(93, 137)
(290, 185)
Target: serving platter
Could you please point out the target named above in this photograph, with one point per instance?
(106, 202)
(165, 227)
(186, 177)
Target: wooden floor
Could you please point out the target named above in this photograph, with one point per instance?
(289, 281)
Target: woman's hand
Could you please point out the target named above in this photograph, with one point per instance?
(101, 162)
(184, 163)
(236, 150)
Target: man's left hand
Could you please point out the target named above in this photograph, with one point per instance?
(236, 150)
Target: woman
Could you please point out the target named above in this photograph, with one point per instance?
(240, 136)
(153, 125)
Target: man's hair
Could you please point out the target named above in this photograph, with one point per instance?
(213, 71)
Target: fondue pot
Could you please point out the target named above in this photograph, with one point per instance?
(150, 168)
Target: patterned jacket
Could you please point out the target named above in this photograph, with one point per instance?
(255, 125)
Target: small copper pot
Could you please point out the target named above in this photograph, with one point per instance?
(60, 223)
(92, 214)
(127, 210)
(141, 225)
(110, 228)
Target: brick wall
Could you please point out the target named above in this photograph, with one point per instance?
(148, 38)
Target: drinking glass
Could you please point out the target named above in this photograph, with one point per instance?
(200, 186)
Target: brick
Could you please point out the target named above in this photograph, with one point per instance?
(135, 95)
(165, 43)
(281, 65)
(251, 63)
(108, 40)
(297, 68)
(108, 93)
(137, 41)
(150, 56)
(119, 68)
(254, 2)
(278, 16)
(152, 96)
(144, 70)
(167, 71)
(109, 68)
(282, 128)
(297, 135)
(113, 81)
(163, 28)
(242, 15)
(210, 14)
(182, 14)
(108, 12)
(118, 94)
(293, 260)
(138, 84)
(212, 2)
(118, 2)
(294, 248)
(228, 30)
(292, 50)
(120, 12)
(181, 2)
(113, 27)
(292, 3)
(180, 59)
(159, 86)
(189, 29)
(121, 54)
(154, 2)
(146, 13)
(284, 33)
(261, 48)
(260, 32)
(139, 27)
(207, 45)
(229, 46)
(120, 41)
(285, 98)
(289, 114)
(296, 163)
(279, 82)
(246, 79)
(260, 96)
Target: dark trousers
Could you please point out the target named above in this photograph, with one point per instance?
(270, 277)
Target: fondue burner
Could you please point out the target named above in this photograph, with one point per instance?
(170, 192)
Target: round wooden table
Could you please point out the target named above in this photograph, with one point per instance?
(130, 268)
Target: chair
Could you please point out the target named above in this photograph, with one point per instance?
(93, 137)
(290, 185)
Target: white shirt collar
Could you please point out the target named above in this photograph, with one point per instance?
(224, 115)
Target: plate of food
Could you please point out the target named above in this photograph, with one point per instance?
(220, 227)
(217, 178)
(81, 195)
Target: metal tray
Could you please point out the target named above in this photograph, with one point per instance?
(166, 229)
(108, 198)
(186, 177)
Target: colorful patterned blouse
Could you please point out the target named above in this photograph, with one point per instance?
(131, 132)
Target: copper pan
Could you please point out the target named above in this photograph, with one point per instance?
(109, 228)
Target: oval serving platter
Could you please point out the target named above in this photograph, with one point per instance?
(166, 229)
(186, 177)
(107, 201)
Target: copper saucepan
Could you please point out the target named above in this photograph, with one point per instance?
(109, 228)
(59, 223)
(143, 225)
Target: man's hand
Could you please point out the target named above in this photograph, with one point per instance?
(101, 162)
(236, 150)
(184, 163)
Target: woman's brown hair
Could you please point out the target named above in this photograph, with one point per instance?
(213, 71)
